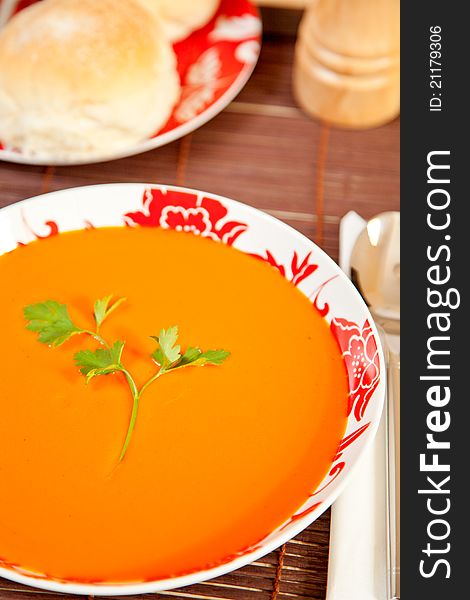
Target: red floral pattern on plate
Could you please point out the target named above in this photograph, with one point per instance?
(53, 229)
(362, 362)
(52, 226)
(339, 466)
(186, 211)
(349, 439)
(303, 513)
(299, 269)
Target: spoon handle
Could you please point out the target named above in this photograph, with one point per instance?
(393, 473)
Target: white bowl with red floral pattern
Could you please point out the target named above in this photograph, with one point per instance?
(254, 232)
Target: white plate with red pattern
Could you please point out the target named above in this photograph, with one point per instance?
(214, 64)
(256, 233)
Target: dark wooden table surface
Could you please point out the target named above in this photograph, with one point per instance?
(263, 151)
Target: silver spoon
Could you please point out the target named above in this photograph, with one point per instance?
(375, 270)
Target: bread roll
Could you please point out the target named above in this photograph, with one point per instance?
(83, 77)
(181, 17)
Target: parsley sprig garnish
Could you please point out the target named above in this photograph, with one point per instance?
(51, 321)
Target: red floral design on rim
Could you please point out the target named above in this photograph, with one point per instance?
(349, 439)
(186, 211)
(300, 269)
(362, 362)
(52, 226)
(301, 515)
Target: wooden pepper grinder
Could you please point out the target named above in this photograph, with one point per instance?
(347, 62)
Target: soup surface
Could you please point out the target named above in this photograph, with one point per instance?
(220, 456)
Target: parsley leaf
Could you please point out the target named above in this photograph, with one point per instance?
(168, 356)
(168, 353)
(189, 356)
(102, 361)
(212, 357)
(51, 320)
(103, 310)
(157, 355)
(197, 358)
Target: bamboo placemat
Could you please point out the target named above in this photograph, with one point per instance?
(263, 151)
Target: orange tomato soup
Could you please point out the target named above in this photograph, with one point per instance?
(220, 455)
